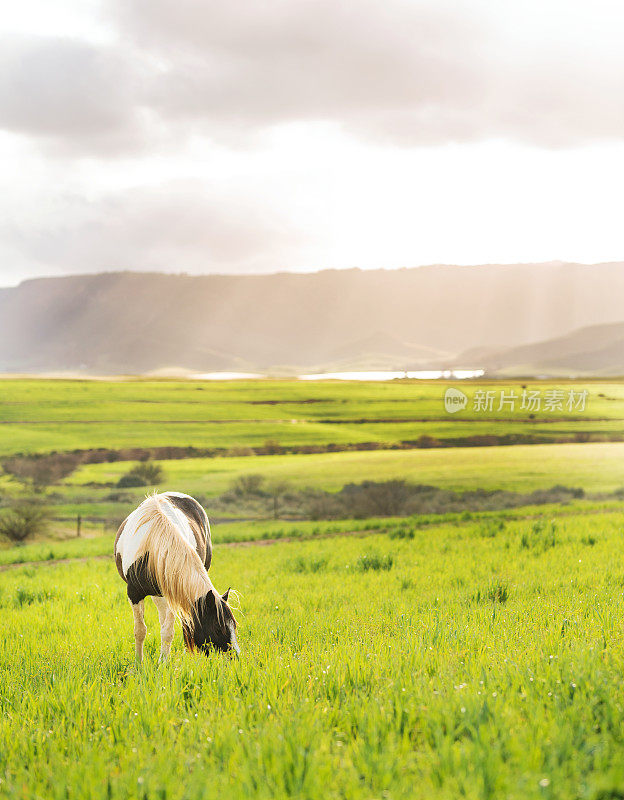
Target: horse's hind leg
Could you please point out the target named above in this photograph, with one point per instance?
(167, 619)
(140, 629)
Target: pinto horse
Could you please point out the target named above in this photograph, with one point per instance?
(163, 549)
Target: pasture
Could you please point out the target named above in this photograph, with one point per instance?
(44, 415)
(594, 467)
(398, 428)
(437, 655)
(481, 659)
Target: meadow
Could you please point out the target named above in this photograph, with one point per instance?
(439, 655)
(480, 660)
(385, 422)
(595, 467)
(599, 467)
(44, 415)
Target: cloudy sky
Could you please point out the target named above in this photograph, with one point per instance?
(222, 136)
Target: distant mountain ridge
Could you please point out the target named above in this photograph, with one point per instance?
(594, 350)
(426, 317)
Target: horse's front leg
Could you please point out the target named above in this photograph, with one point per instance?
(167, 619)
(140, 628)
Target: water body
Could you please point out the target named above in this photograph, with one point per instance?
(423, 374)
(381, 375)
(226, 376)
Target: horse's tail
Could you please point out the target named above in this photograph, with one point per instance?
(173, 564)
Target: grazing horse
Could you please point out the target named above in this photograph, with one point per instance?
(163, 549)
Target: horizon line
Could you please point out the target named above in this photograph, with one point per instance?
(295, 272)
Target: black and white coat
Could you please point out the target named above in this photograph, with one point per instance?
(163, 549)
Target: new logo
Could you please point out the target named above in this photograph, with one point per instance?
(454, 400)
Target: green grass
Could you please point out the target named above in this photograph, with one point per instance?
(594, 466)
(94, 542)
(44, 415)
(467, 665)
(55, 550)
(460, 655)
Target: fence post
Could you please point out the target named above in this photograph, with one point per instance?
(78, 524)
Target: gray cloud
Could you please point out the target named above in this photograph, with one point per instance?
(74, 95)
(362, 65)
(402, 71)
(173, 227)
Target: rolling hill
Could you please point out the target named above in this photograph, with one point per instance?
(124, 322)
(594, 350)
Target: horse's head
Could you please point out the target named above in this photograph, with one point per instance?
(215, 626)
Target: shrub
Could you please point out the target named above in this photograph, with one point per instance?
(24, 519)
(325, 506)
(146, 473)
(271, 448)
(248, 484)
(119, 497)
(372, 498)
(41, 470)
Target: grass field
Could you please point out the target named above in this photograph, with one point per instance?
(40, 416)
(595, 467)
(472, 661)
(440, 655)
(599, 467)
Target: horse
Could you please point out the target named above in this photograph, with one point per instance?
(163, 550)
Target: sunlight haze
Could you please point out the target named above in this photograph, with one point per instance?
(181, 137)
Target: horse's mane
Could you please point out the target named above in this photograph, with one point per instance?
(174, 565)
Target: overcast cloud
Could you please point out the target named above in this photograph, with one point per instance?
(160, 229)
(150, 82)
(413, 72)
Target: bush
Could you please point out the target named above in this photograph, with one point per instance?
(398, 498)
(147, 473)
(325, 506)
(270, 448)
(248, 484)
(375, 499)
(24, 519)
(41, 470)
(390, 498)
(131, 480)
(120, 497)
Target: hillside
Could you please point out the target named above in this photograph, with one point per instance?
(408, 318)
(595, 350)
